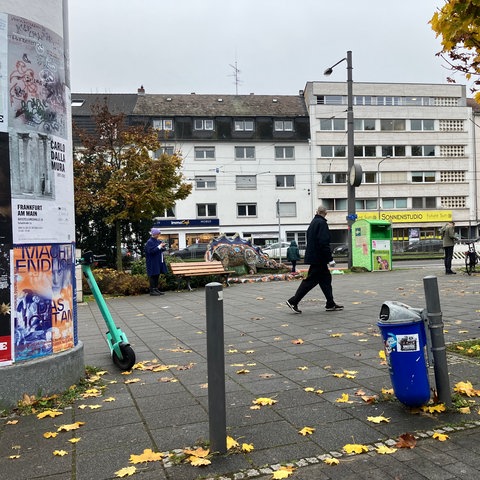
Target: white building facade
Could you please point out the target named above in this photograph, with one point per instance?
(415, 144)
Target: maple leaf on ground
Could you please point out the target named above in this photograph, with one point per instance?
(247, 447)
(442, 437)
(378, 419)
(384, 450)
(125, 472)
(264, 401)
(434, 408)
(387, 391)
(306, 431)
(369, 398)
(331, 461)
(198, 461)
(465, 410)
(148, 455)
(199, 452)
(466, 388)
(131, 380)
(50, 434)
(74, 440)
(70, 426)
(49, 413)
(109, 399)
(12, 422)
(60, 453)
(283, 472)
(406, 440)
(231, 443)
(343, 399)
(355, 448)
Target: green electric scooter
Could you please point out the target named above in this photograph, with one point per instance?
(123, 355)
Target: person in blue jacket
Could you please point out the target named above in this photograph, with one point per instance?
(319, 256)
(156, 265)
(293, 255)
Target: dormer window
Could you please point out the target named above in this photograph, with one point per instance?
(244, 125)
(163, 124)
(283, 125)
(203, 124)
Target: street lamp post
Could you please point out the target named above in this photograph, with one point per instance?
(378, 183)
(351, 211)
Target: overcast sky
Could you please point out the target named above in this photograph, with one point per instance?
(184, 46)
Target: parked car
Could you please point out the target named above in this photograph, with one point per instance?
(340, 250)
(274, 250)
(195, 250)
(431, 245)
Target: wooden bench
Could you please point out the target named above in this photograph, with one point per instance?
(186, 270)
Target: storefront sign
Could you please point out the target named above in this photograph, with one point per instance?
(194, 222)
(408, 216)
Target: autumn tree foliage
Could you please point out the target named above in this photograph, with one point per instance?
(118, 183)
(458, 25)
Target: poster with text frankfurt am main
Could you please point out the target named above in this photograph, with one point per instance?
(39, 131)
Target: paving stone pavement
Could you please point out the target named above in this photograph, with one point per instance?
(261, 336)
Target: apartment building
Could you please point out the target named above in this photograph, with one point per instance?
(415, 144)
(247, 157)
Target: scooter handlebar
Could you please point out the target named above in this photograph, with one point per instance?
(89, 258)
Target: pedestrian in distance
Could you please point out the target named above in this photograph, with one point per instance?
(293, 255)
(154, 249)
(448, 239)
(318, 255)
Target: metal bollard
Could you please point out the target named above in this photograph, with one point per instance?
(216, 367)
(435, 325)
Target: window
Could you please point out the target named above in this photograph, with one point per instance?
(283, 125)
(365, 150)
(389, 101)
(330, 151)
(393, 150)
(331, 100)
(203, 124)
(284, 153)
(245, 182)
(204, 153)
(206, 183)
(366, 204)
(77, 102)
(206, 209)
(423, 150)
(245, 153)
(162, 150)
(424, 202)
(332, 124)
(364, 124)
(392, 124)
(246, 209)
(394, 203)
(244, 125)
(165, 124)
(369, 177)
(168, 213)
(421, 124)
(285, 181)
(423, 177)
(287, 209)
(334, 177)
(334, 203)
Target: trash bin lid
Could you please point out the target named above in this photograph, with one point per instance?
(398, 312)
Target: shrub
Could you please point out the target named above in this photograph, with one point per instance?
(111, 282)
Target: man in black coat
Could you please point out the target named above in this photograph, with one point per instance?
(319, 256)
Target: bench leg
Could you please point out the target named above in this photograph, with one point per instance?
(188, 283)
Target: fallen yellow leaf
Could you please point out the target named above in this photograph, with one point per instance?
(378, 419)
(231, 443)
(131, 380)
(109, 399)
(434, 408)
(465, 410)
(14, 457)
(384, 450)
(60, 453)
(74, 440)
(264, 401)
(331, 461)
(355, 448)
(125, 472)
(12, 422)
(50, 434)
(49, 413)
(71, 426)
(198, 461)
(442, 437)
(343, 399)
(306, 431)
(247, 447)
(381, 354)
(283, 472)
(148, 455)
(309, 389)
(243, 371)
(302, 368)
(198, 452)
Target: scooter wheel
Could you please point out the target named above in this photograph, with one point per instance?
(128, 360)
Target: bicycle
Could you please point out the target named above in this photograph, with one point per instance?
(471, 258)
(122, 353)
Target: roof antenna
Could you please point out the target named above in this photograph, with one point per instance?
(235, 74)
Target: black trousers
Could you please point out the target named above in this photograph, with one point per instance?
(448, 258)
(153, 279)
(320, 275)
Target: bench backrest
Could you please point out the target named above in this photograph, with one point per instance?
(198, 268)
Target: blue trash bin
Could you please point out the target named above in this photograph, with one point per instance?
(404, 341)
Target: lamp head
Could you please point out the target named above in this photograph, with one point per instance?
(328, 71)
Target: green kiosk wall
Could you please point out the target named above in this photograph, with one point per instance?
(372, 244)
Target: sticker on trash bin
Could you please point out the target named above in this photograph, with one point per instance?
(408, 343)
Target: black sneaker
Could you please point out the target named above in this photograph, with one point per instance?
(334, 308)
(293, 307)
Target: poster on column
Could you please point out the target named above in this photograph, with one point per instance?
(43, 299)
(40, 153)
(3, 73)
